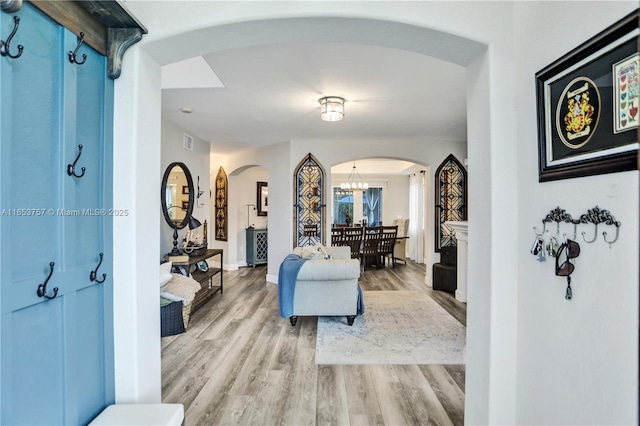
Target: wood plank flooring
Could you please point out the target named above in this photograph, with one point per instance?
(241, 364)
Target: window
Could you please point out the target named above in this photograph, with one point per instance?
(372, 206)
(357, 207)
(342, 207)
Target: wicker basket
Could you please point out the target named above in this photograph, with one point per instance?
(186, 315)
(174, 318)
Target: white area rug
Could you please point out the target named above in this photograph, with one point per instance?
(398, 327)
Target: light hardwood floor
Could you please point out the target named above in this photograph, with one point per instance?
(241, 364)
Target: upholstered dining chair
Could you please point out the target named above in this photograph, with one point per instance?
(400, 249)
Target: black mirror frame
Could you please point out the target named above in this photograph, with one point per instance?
(163, 195)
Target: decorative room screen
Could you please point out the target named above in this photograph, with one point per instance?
(308, 203)
(451, 200)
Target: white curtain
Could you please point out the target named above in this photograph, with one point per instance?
(416, 217)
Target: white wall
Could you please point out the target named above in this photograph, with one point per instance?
(396, 199)
(197, 161)
(578, 359)
(245, 185)
(136, 238)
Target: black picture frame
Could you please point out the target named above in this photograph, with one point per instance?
(262, 200)
(582, 99)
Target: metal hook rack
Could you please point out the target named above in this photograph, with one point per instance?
(94, 274)
(72, 55)
(598, 216)
(595, 216)
(42, 288)
(4, 45)
(71, 168)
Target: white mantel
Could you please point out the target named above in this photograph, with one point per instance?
(461, 229)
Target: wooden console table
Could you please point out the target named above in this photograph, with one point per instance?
(207, 289)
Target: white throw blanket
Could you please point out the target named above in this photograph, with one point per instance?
(180, 288)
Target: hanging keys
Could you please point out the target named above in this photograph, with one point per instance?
(569, 293)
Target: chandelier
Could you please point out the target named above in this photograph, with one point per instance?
(332, 108)
(354, 181)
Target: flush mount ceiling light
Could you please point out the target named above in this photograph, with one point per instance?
(354, 181)
(332, 108)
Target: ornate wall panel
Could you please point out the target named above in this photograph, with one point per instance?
(308, 202)
(451, 200)
(221, 205)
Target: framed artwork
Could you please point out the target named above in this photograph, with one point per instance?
(263, 199)
(587, 105)
(185, 205)
(185, 189)
(221, 205)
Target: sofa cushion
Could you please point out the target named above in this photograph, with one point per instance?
(328, 270)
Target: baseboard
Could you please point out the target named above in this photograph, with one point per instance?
(242, 264)
(230, 267)
(273, 279)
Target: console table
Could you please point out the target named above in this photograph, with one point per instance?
(207, 289)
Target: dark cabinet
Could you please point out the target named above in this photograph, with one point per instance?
(445, 273)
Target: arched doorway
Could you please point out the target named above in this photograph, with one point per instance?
(467, 52)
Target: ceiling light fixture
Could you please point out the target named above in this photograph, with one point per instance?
(332, 108)
(354, 181)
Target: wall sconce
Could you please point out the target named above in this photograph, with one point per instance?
(199, 194)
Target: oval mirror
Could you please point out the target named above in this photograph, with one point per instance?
(176, 194)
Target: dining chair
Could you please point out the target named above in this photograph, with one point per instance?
(370, 240)
(387, 244)
(352, 237)
(336, 236)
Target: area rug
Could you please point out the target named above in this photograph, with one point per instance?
(398, 327)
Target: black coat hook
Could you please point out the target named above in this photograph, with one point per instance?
(71, 168)
(94, 273)
(42, 288)
(72, 55)
(4, 45)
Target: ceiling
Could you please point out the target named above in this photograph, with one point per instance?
(254, 96)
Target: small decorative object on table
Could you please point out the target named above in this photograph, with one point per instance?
(203, 266)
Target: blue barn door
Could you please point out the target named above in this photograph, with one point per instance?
(56, 353)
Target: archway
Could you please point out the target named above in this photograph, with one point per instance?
(144, 73)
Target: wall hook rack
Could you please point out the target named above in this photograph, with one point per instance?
(598, 216)
(71, 168)
(42, 288)
(4, 45)
(93, 275)
(595, 216)
(72, 55)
